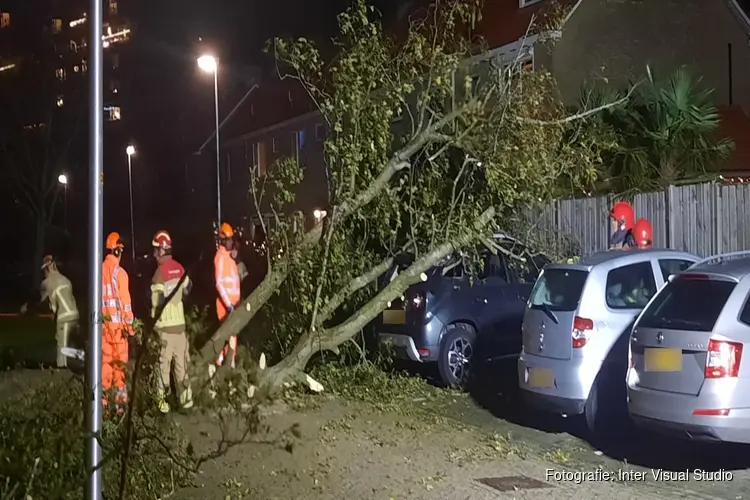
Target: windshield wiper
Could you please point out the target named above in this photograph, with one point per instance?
(545, 307)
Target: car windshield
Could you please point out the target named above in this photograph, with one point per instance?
(558, 289)
(687, 304)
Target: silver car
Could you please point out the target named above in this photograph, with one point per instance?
(688, 375)
(575, 315)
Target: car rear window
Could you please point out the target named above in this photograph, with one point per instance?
(688, 304)
(558, 289)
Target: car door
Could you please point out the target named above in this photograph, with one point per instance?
(498, 313)
(627, 291)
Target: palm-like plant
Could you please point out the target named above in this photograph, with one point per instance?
(667, 132)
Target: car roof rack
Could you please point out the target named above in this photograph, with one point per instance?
(721, 258)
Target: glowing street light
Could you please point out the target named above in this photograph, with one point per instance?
(62, 179)
(130, 151)
(210, 64)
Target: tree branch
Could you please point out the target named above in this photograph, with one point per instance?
(583, 114)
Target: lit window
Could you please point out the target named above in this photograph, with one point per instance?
(60, 73)
(113, 6)
(113, 113)
(4, 19)
(56, 26)
(60, 101)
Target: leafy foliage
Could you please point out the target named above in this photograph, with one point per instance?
(666, 132)
(42, 448)
(427, 152)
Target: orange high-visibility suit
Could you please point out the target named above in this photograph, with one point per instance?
(117, 315)
(228, 286)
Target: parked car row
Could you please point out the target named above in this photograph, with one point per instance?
(676, 325)
(662, 330)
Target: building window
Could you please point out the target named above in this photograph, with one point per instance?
(60, 74)
(259, 158)
(320, 132)
(112, 113)
(115, 61)
(4, 19)
(274, 146)
(113, 6)
(56, 26)
(526, 3)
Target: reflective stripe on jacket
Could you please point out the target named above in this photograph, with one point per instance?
(227, 277)
(166, 278)
(117, 309)
(58, 290)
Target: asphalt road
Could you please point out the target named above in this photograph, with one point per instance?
(495, 408)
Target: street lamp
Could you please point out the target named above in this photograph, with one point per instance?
(63, 180)
(130, 151)
(210, 64)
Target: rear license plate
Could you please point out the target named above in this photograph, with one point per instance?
(541, 378)
(394, 317)
(662, 359)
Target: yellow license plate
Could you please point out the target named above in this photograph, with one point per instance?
(542, 378)
(662, 359)
(394, 317)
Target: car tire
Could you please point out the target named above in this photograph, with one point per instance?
(456, 352)
(591, 408)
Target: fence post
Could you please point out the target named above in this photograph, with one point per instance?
(718, 219)
(669, 216)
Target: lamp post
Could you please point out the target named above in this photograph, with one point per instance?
(63, 180)
(210, 64)
(130, 151)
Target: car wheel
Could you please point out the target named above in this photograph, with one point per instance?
(591, 409)
(456, 353)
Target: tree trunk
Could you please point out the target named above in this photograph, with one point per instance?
(272, 380)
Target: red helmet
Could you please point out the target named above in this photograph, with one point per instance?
(622, 212)
(643, 233)
(162, 240)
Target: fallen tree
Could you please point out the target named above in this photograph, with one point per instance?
(427, 152)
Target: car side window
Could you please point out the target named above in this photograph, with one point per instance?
(630, 287)
(745, 314)
(494, 265)
(522, 271)
(673, 266)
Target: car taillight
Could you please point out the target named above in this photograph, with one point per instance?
(580, 327)
(723, 359)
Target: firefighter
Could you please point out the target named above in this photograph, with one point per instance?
(117, 326)
(623, 220)
(170, 325)
(58, 290)
(227, 285)
(643, 234)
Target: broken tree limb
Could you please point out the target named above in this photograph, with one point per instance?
(354, 285)
(291, 368)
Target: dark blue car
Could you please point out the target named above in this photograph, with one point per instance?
(447, 318)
